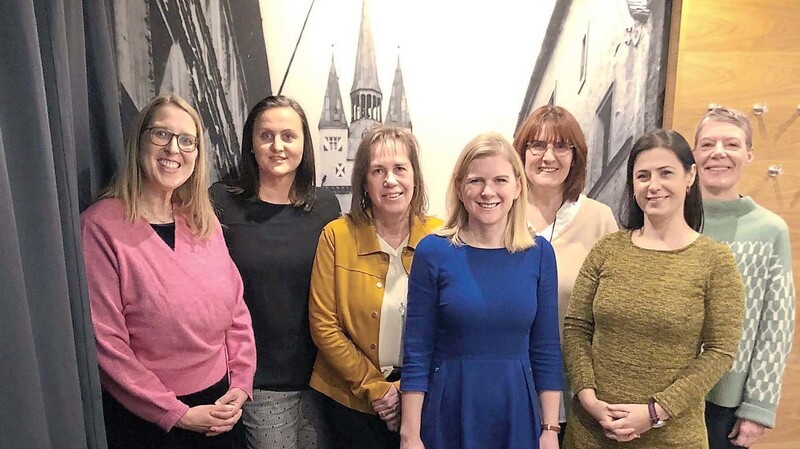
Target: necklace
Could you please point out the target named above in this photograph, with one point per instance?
(152, 218)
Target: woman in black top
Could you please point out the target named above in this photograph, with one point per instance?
(272, 216)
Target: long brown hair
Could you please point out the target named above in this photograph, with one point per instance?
(302, 193)
(386, 136)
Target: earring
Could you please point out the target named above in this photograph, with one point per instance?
(687, 189)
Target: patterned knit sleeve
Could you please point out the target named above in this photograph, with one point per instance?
(579, 321)
(773, 339)
(722, 327)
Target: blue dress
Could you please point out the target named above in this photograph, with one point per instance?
(481, 340)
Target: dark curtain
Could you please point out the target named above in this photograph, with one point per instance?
(60, 140)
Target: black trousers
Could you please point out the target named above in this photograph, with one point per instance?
(124, 430)
(719, 423)
(351, 429)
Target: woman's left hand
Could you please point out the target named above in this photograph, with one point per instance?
(632, 421)
(745, 433)
(548, 440)
(234, 399)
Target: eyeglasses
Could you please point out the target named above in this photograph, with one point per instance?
(539, 147)
(163, 137)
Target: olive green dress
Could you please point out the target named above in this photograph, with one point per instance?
(645, 324)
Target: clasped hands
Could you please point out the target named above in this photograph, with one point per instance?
(388, 408)
(620, 422)
(216, 418)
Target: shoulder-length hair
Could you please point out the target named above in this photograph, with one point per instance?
(388, 137)
(517, 236)
(191, 197)
(556, 124)
(632, 215)
(302, 192)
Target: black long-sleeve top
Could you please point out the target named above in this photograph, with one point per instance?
(273, 246)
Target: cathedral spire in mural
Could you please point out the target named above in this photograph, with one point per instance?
(397, 114)
(333, 115)
(338, 141)
(365, 95)
(333, 132)
(365, 78)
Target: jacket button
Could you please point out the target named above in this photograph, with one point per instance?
(405, 250)
(379, 285)
(374, 314)
(372, 346)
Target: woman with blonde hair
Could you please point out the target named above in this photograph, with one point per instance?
(482, 353)
(174, 340)
(357, 304)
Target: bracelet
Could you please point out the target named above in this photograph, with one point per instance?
(651, 409)
(556, 429)
(655, 421)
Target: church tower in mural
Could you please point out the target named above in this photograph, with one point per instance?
(333, 138)
(340, 141)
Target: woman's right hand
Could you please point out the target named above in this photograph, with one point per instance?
(597, 408)
(199, 419)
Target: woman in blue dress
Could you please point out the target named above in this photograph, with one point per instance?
(482, 365)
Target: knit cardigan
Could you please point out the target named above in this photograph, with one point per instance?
(167, 323)
(760, 243)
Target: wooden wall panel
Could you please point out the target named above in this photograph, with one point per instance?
(738, 53)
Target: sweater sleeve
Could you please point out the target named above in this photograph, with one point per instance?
(334, 345)
(773, 340)
(420, 333)
(122, 375)
(545, 345)
(579, 321)
(239, 339)
(722, 327)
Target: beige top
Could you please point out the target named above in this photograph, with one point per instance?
(393, 309)
(578, 226)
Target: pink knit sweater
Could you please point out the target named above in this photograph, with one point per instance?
(167, 323)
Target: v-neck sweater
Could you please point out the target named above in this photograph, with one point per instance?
(167, 322)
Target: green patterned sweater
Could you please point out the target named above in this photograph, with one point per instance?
(760, 243)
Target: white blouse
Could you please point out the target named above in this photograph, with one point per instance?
(393, 309)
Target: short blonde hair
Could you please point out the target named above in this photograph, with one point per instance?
(191, 197)
(517, 236)
(727, 115)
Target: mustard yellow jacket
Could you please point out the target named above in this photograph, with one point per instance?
(345, 309)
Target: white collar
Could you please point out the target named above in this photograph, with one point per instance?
(564, 216)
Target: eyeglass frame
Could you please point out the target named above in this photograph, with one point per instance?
(559, 148)
(149, 130)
